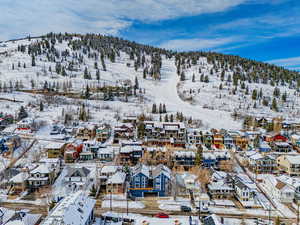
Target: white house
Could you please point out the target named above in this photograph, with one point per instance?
(76, 209)
(278, 189)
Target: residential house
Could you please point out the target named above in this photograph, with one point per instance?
(130, 155)
(221, 186)
(146, 181)
(18, 217)
(185, 183)
(107, 171)
(130, 119)
(194, 136)
(245, 189)
(72, 152)
(116, 183)
(207, 138)
(241, 140)
(228, 141)
(76, 209)
(295, 140)
(278, 189)
(289, 164)
(262, 164)
(183, 158)
(77, 177)
(41, 176)
(102, 133)
(164, 133)
(106, 154)
(218, 140)
(282, 147)
(55, 149)
(123, 131)
(9, 143)
(242, 191)
(212, 159)
(264, 147)
(86, 132)
(18, 183)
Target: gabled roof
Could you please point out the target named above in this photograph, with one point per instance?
(74, 209)
(82, 171)
(141, 168)
(280, 185)
(42, 168)
(117, 178)
(161, 169)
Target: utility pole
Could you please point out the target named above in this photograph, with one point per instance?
(269, 214)
(199, 211)
(110, 203)
(297, 213)
(127, 198)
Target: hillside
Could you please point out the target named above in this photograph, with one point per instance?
(113, 77)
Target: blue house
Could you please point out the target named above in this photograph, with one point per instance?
(9, 143)
(228, 141)
(146, 181)
(264, 147)
(212, 159)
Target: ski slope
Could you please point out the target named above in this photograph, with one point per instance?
(165, 91)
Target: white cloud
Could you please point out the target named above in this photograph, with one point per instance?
(196, 43)
(20, 18)
(293, 62)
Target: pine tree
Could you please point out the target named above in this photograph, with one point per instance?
(32, 60)
(93, 191)
(87, 92)
(136, 83)
(172, 118)
(193, 78)
(206, 80)
(254, 94)
(274, 105)
(41, 106)
(154, 108)
(182, 76)
(98, 75)
(276, 92)
(22, 113)
(284, 96)
(166, 118)
(160, 110)
(164, 110)
(265, 102)
(220, 86)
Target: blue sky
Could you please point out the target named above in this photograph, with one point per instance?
(265, 30)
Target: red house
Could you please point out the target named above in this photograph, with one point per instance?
(72, 152)
(279, 138)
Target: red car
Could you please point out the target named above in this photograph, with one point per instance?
(161, 215)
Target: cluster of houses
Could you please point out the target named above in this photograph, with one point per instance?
(157, 159)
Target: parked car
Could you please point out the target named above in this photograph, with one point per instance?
(161, 215)
(204, 209)
(185, 208)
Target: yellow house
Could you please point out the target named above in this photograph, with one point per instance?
(55, 149)
(86, 133)
(289, 164)
(241, 141)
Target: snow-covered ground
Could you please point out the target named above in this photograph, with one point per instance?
(122, 204)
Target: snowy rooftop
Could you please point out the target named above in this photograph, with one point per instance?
(117, 178)
(73, 209)
(55, 145)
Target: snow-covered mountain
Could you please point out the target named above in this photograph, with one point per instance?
(128, 78)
